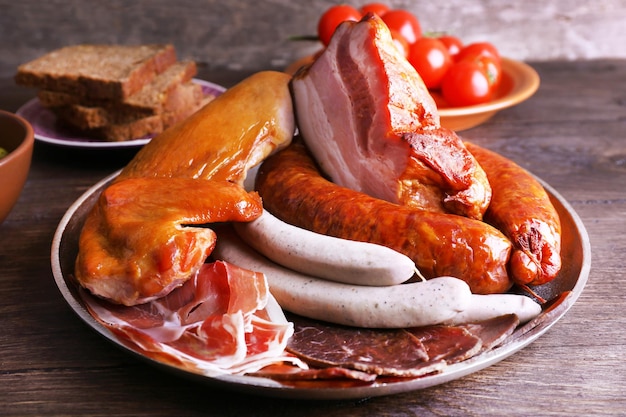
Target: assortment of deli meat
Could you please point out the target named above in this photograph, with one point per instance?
(351, 159)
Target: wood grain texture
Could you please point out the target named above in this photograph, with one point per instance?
(570, 134)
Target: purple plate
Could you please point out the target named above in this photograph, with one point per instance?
(47, 129)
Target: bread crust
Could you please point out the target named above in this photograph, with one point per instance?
(150, 125)
(104, 71)
(170, 90)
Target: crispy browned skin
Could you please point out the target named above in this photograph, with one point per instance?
(440, 244)
(224, 139)
(521, 208)
(136, 243)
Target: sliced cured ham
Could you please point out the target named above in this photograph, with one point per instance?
(372, 126)
(220, 321)
(291, 373)
(137, 244)
(410, 352)
(376, 351)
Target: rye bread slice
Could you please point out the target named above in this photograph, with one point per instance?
(147, 126)
(168, 90)
(181, 96)
(105, 71)
(148, 101)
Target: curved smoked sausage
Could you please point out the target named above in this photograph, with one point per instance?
(293, 189)
(521, 208)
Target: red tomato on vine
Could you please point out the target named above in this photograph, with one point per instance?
(453, 44)
(478, 49)
(377, 8)
(487, 57)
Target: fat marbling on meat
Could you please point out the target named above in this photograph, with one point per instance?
(372, 126)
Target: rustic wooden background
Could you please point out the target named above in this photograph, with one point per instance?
(254, 35)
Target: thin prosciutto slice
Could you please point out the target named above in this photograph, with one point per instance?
(372, 126)
(138, 242)
(222, 320)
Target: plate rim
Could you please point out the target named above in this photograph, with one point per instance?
(88, 143)
(528, 333)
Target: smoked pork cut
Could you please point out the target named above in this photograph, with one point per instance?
(372, 126)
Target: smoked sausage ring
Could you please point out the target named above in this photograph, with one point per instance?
(293, 189)
(521, 208)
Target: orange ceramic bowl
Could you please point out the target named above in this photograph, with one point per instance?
(519, 82)
(17, 138)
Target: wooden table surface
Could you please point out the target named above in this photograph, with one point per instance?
(571, 133)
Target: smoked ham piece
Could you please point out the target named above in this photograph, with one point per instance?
(137, 243)
(372, 126)
(227, 137)
(141, 240)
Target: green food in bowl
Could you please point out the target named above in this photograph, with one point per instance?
(3, 152)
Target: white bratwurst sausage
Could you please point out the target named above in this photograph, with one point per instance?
(323, 256)
(443, 300)
(487, 306)
(407, 305)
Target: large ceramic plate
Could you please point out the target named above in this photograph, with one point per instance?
(47, 129)
(564, 291)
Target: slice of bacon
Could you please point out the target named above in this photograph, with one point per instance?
(220, 321)
(371, 124)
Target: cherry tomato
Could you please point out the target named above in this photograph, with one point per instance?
(405, 23)
(478, 49)
(487, 57)
(453, 44)
(431, 59)
(401, 43)
(465, 84)
(377, 8)
(492, 69)
(332, 18)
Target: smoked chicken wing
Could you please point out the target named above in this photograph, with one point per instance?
(138, 242)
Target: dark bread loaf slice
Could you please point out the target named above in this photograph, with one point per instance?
(181, 96)
(153, 99)
(104, 71)
(188, 100)
(148, 101)
(147, 126)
